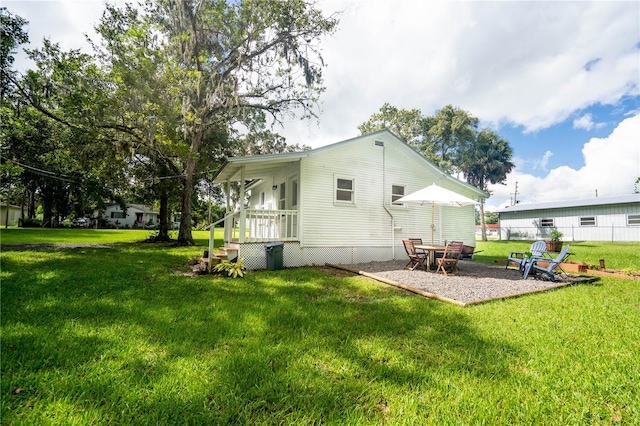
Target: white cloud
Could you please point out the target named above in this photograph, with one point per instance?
(586, 122)
(527, 63)
(612, 165)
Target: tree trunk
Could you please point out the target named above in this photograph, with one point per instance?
(483, 226)
(163, 225)
(184, 236)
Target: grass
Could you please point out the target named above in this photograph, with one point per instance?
(117, 336)
(620, 255)
(88, 236)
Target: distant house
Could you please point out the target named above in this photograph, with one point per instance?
(492, 230)
(9, 214)
(337, 203)
(597, 219)
(136, 216)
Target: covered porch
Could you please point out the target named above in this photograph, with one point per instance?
(272, 211)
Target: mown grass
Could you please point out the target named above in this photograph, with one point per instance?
(619, 255)
(14, 236)
(118, 336)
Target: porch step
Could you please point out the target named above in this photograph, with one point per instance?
(225, 253)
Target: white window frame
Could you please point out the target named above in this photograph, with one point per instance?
(633, 219)
(544, 222)
(352, 190)
(396, 196)
(588, 221)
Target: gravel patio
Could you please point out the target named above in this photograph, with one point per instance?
(476, 283)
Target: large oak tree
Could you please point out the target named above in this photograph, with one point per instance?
(190, 70)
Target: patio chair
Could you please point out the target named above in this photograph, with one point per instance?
(532, 264)
(537, 249)
(415, 259)
(448, 263)
(417, 241)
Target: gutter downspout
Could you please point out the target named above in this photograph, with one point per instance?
(393, 220)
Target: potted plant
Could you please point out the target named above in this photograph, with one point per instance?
(555, 243)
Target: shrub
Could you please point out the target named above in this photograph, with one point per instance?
(231, 269)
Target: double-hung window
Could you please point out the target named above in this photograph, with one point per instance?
(397, 192)
(633, 219)
(345, 190)
(588, 221)
(547, 223)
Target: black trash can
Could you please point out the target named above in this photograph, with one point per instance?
(274, 255)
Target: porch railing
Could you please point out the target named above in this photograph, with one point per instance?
(264, 225)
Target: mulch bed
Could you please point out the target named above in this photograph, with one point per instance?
(477, 283)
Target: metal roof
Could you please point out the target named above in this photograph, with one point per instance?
(600, 201)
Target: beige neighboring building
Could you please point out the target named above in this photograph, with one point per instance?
(9, 214)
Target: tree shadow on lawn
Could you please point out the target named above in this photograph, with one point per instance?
(124, 335)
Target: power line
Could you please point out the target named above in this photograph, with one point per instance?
(47, 173)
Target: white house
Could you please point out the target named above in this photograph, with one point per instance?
(597, 219)
(336, 204)
(136, 216)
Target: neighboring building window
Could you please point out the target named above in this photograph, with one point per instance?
(397, 192)
(633, 219)
(117, 215)
(282, 201)
(345, 190)
(547, 223)
(588, 221)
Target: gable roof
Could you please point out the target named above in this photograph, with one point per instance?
(601, 201)
(256, 166)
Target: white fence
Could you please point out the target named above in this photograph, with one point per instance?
(572, 233)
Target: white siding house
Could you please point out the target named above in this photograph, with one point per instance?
(136, 216)
(335, 204)
(598, 219)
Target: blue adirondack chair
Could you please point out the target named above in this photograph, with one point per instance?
(532, 264)
(537, 249)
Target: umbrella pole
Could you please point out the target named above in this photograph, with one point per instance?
(433, 207)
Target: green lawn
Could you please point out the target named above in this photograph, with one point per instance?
(118, 336)
(87, 236)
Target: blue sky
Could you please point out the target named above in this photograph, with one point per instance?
(559, 79)
(566, 138)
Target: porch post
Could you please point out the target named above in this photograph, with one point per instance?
(228, 223)
(243, 212)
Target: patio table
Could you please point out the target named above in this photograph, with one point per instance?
(431, 252)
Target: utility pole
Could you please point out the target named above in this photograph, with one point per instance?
(515, 196)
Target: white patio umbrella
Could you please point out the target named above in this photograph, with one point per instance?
(436, 196)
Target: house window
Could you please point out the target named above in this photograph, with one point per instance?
(282, 201)
(397, 192)
(547, 223)
(345, 190)
(633, 219)
(117, 215)
(262, 199)
(588, 221)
